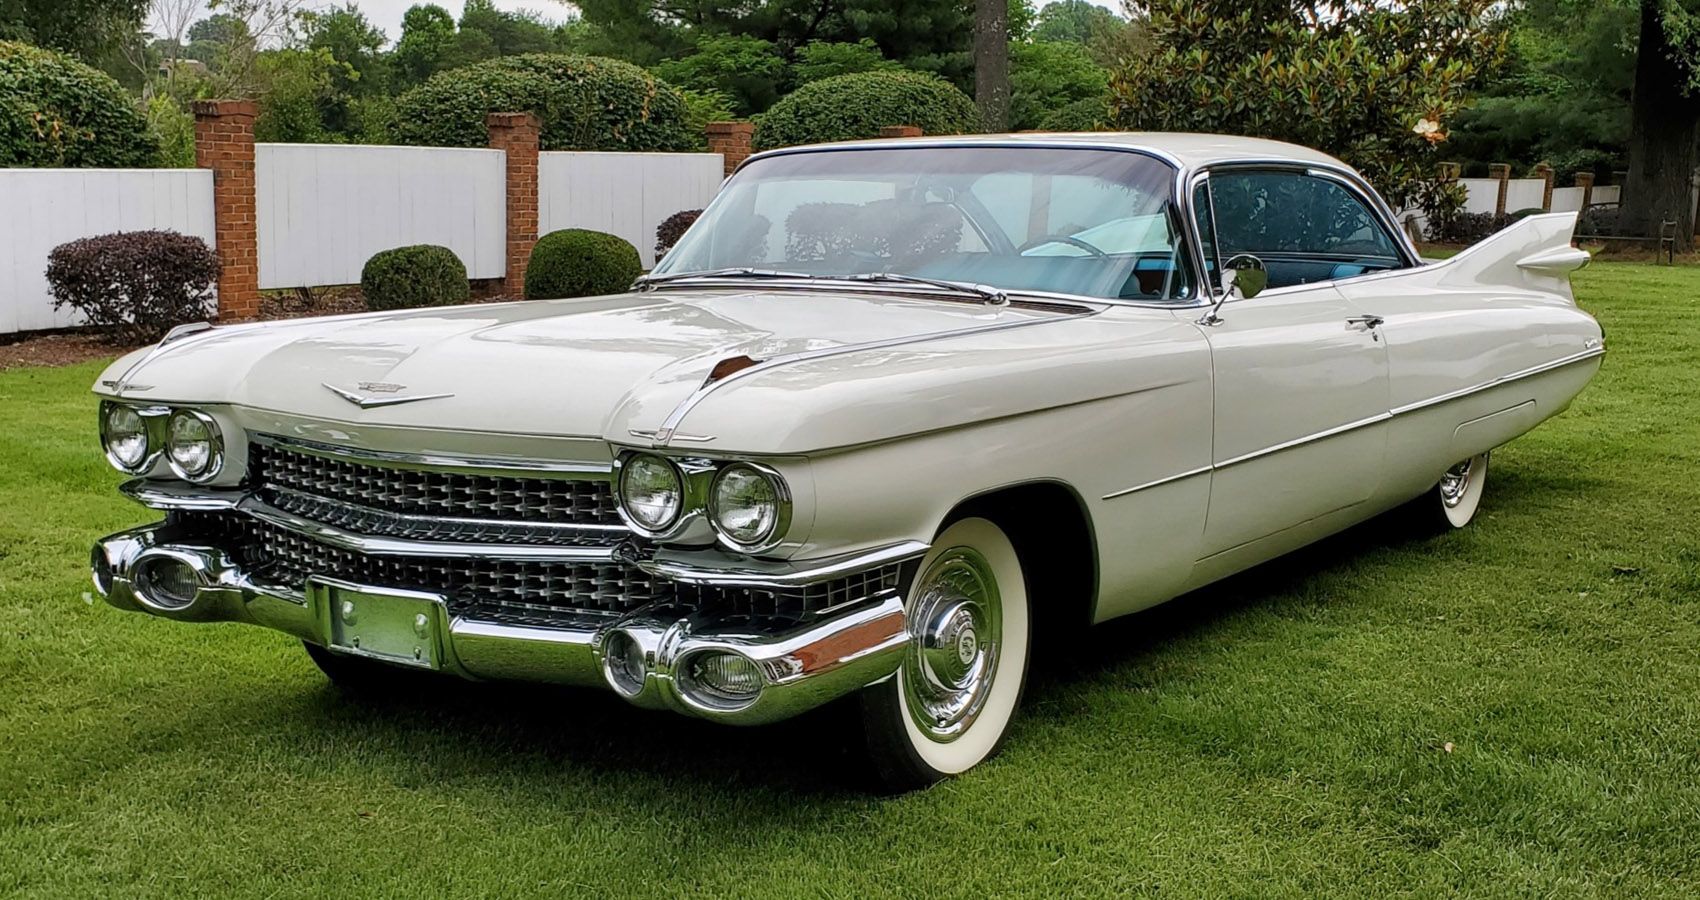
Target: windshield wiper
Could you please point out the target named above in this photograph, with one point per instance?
(991, 296)
(646, 282)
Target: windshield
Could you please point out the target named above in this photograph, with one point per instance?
(1095, 223)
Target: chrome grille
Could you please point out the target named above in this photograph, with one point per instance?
(517, 591)
(417, 492)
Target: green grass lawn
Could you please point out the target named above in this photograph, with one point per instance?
(1513, 709)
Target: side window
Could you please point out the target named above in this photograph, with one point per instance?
(1305, 228)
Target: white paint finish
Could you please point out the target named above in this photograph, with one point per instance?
(625, 194)
(43, 208)
(323, 209)
(1607, 193)
(881, 439)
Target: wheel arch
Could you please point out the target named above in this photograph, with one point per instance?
(1048, 522)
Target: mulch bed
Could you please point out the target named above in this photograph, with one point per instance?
(70, 346)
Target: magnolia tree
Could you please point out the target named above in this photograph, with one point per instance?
(1374, 83)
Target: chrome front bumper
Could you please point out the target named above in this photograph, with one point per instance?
(800, 667)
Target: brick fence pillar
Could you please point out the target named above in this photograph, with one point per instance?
(518, 135)
(1500, 172)
(224, 143)
(1585, 181)
(1544, 172)
(731, 140)
(900, 131)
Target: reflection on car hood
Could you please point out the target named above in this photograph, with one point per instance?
(601, 366)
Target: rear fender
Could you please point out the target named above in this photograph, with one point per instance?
(1534, 253)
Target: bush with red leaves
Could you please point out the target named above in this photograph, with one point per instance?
(671, 229)
(135, 284)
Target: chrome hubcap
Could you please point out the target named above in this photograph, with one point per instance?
(954, 628)
(1455, 483)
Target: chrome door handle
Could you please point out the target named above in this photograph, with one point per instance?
(1367, 322)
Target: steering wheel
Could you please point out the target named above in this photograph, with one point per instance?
(1062, 239)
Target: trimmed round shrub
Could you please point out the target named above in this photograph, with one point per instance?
(138, 284)
(575, 262)
(418, 275)
(57, 112)
(1086, 114)
(672, 228)
(849, 107)
(585, 102)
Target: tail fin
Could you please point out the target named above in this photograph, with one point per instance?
(1533, 253)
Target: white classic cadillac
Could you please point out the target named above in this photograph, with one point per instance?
(887, 412)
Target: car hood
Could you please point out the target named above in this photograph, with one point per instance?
(603, 367)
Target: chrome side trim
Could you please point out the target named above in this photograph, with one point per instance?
(1158, 483)
(437, 462)
(664, 434)
(1307, 439)
(1371, 420)
(1503, 379)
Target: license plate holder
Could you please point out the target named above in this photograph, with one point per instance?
(392, 625)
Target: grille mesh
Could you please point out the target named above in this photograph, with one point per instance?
(518, 591)
(428, 493)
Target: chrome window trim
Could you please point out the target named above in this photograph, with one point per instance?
(1379, 418)
(517, 467)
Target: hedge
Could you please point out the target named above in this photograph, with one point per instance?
(672, 228)
(848, 107)
(58, 112)
(585, 102)
(575, 262)
(139, 284)
(413, 276)
(1088, 114)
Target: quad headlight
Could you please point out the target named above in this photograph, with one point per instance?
(193, 446)
(125, 436)
(652, 492)
(748, 505)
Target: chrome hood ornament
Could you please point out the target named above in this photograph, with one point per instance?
(371, 394)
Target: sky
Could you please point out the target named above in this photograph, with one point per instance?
(386, 14)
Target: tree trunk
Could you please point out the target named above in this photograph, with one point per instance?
(991, 62)
(1664, 122)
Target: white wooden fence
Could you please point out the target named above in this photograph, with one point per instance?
(625, 194)
(43, 208)
(324, 209)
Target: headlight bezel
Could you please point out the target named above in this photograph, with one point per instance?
(215, 446)
(774, 534)
(151, 418)
(622, 466)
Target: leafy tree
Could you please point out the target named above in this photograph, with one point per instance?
(1375, 82)
(1105, 35)
(1664, 121)
(427, 39)
(858, 106)
(747, 69)
(1047, 75)
(1565, 94)
(58, 112)
(827, 59)
(512, 33)
(90, 29)
(353, 42)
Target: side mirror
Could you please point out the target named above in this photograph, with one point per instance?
(1243, 277)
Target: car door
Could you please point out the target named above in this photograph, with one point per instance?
(1301, 375)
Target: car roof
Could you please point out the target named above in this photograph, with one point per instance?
(1191, 151)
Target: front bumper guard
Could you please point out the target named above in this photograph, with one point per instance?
(800, 668)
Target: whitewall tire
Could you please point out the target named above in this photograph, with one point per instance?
(1459, 492)
(950, 705)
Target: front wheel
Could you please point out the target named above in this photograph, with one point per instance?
(951, 702)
